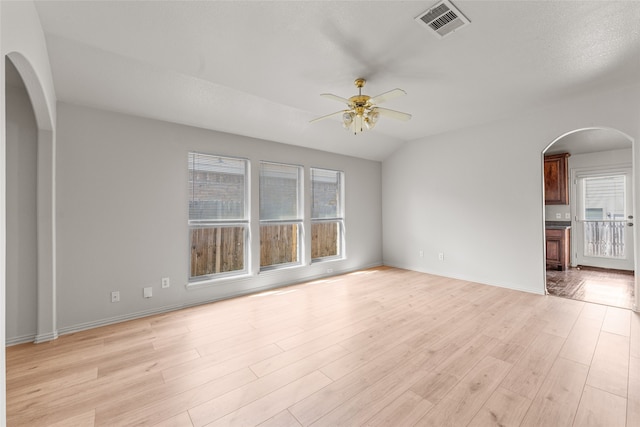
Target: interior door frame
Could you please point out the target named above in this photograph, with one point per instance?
(636, 199)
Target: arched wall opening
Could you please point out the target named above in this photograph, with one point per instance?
(44, 258)
(594, 149)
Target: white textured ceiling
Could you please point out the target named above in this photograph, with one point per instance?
(256, 68)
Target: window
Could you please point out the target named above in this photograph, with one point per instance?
(218, 218)
(327, 214)
(280, 214)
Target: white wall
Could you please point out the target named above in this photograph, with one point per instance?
(476, 194)
(22, 248)
(122, 213)
(601, 159)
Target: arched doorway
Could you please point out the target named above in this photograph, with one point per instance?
(43, 260)
(598, 219)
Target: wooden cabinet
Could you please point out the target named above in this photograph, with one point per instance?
(557, 243)
(556, 179)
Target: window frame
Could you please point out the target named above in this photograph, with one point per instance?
(243, 223)
(339, 218)
(299, 221)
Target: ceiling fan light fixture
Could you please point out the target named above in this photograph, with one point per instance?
(347, 119)
(372, 119)
(362, 111)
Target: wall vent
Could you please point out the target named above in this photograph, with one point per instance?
(442, 19)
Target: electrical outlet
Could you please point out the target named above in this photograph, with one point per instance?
(165, 283)
(558, 216)
(148, 292)
(115, 296)
(441, 256)
(329, 270)
(421, 253)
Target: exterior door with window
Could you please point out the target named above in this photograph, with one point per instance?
(604, 220)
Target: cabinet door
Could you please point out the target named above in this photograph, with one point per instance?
(556, 179)
(554, 247)
(557, 245)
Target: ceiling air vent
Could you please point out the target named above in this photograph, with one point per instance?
(443, 19)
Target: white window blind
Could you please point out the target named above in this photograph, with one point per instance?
(604, 197)
(217, 188)
(279, 192)
(327, 194)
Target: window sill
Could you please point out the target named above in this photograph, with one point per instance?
(205, 283)
(275, 269)
(328, 259)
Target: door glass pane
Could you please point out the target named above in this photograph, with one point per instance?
(603, 215)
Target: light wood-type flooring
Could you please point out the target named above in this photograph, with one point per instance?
(382, 346)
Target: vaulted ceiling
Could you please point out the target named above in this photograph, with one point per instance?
(256, 68)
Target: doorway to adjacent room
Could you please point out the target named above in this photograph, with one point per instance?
(600, 217)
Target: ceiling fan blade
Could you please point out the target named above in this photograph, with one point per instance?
(398, 115)
(336, 98)
(383, 97)
(327, 116)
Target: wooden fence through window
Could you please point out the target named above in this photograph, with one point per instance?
(221, 249)
(324, 239)
(216, 250)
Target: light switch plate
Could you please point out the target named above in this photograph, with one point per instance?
(558, 216)
(567, 216)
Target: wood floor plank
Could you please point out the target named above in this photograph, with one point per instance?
(599, 408)
(270, 405)
(610, 366)
(461, 361)
(286, 358)
(406, 410)
(531, 369)
(582, 340)
(34, 391)
(167, 401)
(357, 409)
(633, 396)
(504, 408)
(233, 400)
(319, 404)
(78, 399)
(180, 420)
(209, 367)
(433, 386)
(86, 419)
(460, 405)
(634, 343)
(282, 419)
(617, 321)
(558, 398)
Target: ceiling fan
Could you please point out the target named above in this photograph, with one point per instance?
(363, 111)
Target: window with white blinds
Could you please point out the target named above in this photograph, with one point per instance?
(280, 214)
(218, 217)
(327, 214)
(604, 198)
